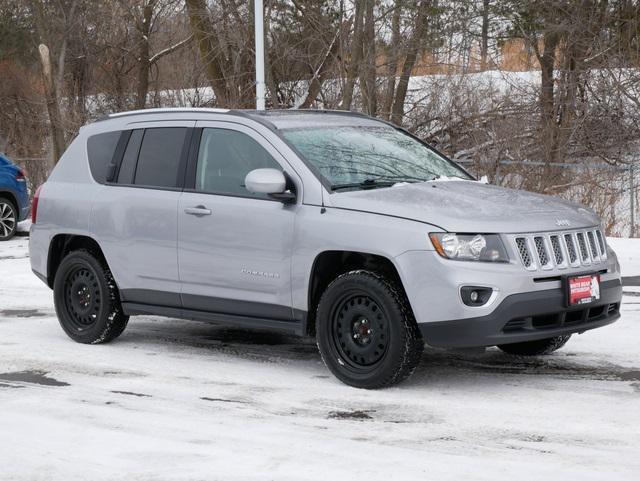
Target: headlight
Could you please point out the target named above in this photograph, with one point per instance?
(470, 247)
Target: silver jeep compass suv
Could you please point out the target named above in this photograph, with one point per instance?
(320, 223)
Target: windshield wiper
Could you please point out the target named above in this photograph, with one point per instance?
(384, 181)
(365, 184)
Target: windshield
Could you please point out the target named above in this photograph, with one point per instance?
(369, 157)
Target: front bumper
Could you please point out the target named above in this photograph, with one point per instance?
(527, 316)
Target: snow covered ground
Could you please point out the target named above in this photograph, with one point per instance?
(178, 400)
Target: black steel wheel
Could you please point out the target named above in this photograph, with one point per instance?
(81, 297)
(360, 330)
(366, 332)
(87, 300)
(8, 219)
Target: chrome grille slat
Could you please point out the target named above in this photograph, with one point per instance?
(571, 248)
(557, 250)
(582, 245)
(564, 249)
(592, 245)
(525, 254)
(603, 247)
(541, 250)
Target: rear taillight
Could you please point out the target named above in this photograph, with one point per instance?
(21, 174)
(34, 205)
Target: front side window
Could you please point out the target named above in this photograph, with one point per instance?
(224, 160)
(366, 157)
(159, 158)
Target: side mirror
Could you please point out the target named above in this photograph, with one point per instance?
(269, 181)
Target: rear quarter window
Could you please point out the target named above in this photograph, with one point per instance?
(101, 149)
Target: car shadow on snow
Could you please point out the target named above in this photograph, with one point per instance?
(264, 346)
(436, 365)
(452, 364)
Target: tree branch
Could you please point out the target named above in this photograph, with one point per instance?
(168, 50)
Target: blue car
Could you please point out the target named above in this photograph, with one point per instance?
(14, 198)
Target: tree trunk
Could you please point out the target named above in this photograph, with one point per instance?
(144, 30)
(392, 61)
(272, 84)
(315, 85)
(484, 47)
(203, 32)
(547, 63)
(368, 73)
(547, 97)
(414, 47)
(53, 108)
(356, 55)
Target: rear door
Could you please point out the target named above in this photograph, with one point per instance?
(234, 247)
(135, 216)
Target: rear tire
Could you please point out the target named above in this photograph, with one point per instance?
(366, 332)
(8, 219)
(87, 300)
(535, 348)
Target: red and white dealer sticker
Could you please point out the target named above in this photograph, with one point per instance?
(583, 289)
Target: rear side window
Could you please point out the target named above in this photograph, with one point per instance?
(159, 158)
(101, 149)
(128, 165)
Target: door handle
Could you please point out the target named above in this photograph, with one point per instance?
(198, 211)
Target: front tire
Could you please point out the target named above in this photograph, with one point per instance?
(366, 332)
(8, 219)
(87, 301)
(535, 348)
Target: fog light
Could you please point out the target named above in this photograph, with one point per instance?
(475, 296)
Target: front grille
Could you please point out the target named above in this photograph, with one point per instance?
(603, 251)
(583, 247)
(557, 251)
(521, 244)
(592, 244)
(571, 248)
(561, 249)
(541, 249)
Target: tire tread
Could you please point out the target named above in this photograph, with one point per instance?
(413, 344)
(117, 321)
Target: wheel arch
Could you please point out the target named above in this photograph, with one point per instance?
(329, 264)
(11, 197)
(63, 244)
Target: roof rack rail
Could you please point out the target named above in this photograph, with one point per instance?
(168, 109)
(260, 116)
(303, 111)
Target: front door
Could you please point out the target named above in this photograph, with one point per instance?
(234, 247)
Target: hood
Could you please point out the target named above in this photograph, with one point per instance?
(468, 206)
